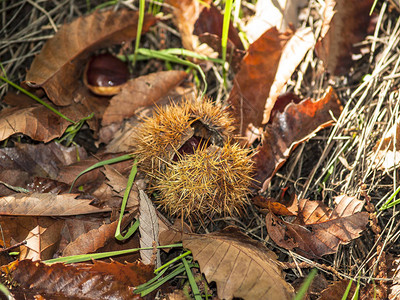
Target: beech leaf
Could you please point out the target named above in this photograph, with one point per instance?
(57, 68)
(240, 266)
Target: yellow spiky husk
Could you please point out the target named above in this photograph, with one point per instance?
(161, 135)
(212, 181)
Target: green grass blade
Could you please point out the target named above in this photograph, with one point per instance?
(118, 235)
(225, 32)
(192, 281)
(36, 99)
(100, 164)
(172, 58)
(139, 29)
(306, 284)
(157, 284)
(347, 291)
(88, 257)
(172, 261)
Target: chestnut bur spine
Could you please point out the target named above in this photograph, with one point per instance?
(187, 151)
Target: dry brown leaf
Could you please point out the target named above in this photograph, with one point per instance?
(142, 91)
(345, 24)
(293, 53)
(394, 287)
(252, 83)
(99, 280)
(57, 68)
(319, 230)
(280, 14)
(149, 231)
(92, 240)
(37, 122)
(46, 204)
(41, 234)
(337, 289)
(186, 12)
(240, 266)
(34, 159)
(211, 21)
(287, 130)
(387, 154)
(68, 173)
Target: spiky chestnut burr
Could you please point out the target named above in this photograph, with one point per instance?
(212, 181)
(213, 178)
(161, 136)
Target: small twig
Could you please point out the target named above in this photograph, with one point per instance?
(13, 246)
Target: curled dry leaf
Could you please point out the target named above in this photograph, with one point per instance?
(139, 92)
(319, 230)
(287, 130)
(240, 266)
(252, 83)
(99, 280)
(46, 205)
(57, 68)
(345, 24)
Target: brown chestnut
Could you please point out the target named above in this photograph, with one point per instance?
(105, 74)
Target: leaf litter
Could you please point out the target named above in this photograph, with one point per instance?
(292, 148)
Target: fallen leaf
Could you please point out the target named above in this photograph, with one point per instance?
(272, 205)
(293, 53)
(240, 266)
(34, 159)
(211, 20)
(233, 55)
(90, 241)
(345, 24)
(287, 130)
(99, 280)
(252, 83)
(46, 205)
(58, 66)
(142, 91)
(338, 288)
(280, 14)
(68, 174)
(186, 12)
(319, 230)
(41, 234)
(394, 287)
(386, 154)
(148, 231)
